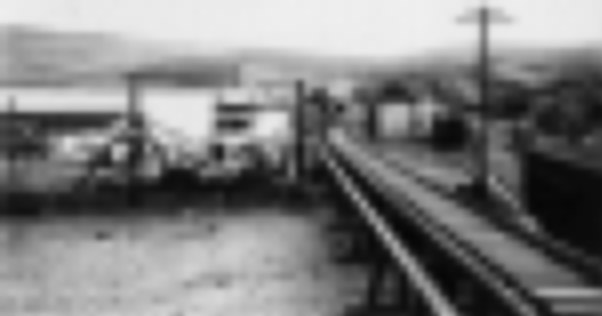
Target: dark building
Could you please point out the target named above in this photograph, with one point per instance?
(563, 185)
(59, 121)
(28, 131)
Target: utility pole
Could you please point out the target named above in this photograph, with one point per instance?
(484, 16)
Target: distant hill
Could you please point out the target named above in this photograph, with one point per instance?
(37, 56)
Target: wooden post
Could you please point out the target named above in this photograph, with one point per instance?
(372, 128)
(11, 140)
(300, 152)
(133, 131)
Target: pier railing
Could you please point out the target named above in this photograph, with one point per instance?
(416, 292)
(436, 273)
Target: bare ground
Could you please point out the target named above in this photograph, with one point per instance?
(196, 262)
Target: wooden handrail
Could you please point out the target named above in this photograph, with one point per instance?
(488, 273)
(405, 261)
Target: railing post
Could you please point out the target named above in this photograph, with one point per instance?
(376, 280)
(465, 294)
(396, 288)
(401, 288)
(411, 303)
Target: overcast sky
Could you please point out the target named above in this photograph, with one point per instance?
(370, 28)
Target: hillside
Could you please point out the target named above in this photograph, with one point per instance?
(37, 56)
(41, 57)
